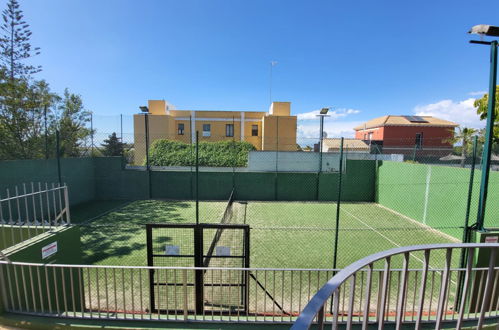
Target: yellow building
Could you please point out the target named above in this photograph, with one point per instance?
(272, 130)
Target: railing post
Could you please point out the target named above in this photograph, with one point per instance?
(467, 279)
(320, 319)
(443, 289)
(402, 292)
(386, 282)
(488, 288)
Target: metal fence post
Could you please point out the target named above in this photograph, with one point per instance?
(487, 148)
(199, 273)
(467, 229)
(46, 133)
(197, 177)
(336, 235)
(58, 155)
(276, 159)
(91, 134)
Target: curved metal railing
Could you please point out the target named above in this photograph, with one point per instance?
(462, 294)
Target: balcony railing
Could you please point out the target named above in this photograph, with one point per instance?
(434, 292)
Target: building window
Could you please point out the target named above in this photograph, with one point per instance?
(206, 130)
(365, 136)
(254, 130)
(419, 140)
(181, 129)
(229, 130)
(370, 136)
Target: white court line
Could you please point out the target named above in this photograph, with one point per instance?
(388, 239)
(379, 233)
(429, 228)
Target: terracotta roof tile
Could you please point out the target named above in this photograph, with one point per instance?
(392, 120)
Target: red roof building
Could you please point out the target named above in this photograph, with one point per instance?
(424, 135)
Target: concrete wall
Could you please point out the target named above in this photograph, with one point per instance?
(112, 182)
(292, 161)
(77, 173)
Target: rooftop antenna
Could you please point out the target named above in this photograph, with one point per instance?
(272, 64)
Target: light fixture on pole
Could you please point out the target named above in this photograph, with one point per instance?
(322, 113)
(145, 110)
(491, 31)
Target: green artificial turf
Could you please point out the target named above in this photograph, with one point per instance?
(283, 234)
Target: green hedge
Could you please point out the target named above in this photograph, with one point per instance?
(217, 154)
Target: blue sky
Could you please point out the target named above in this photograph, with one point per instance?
(363, 58)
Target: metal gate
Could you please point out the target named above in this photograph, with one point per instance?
(203, 245)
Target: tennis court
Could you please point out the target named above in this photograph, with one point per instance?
(283, 234)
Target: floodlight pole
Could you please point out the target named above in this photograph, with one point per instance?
(488, 136)
(148, 166)
(321, 115)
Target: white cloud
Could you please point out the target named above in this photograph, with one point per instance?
(461, 112)
(308, 132)
(335, 114)
(335, 125)
(479, 93)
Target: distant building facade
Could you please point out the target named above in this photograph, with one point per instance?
(272, 130)
(349, 145)
(424, 135)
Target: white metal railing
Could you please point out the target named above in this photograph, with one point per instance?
(31, 209)
(359, 295)
(124, 292)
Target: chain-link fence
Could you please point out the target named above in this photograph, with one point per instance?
(307, 199)
(305, 219)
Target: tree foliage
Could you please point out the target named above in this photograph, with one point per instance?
(112, 146)
(15, 46)
(219, 154)
(481, 106)
(464, 135)
(30, 113)
(72, 124)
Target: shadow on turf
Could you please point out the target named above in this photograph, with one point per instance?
(113, 234)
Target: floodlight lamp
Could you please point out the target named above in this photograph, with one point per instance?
(485, 30)
(324, 111)
(144, 108)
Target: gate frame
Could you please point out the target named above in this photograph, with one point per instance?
(198, 258)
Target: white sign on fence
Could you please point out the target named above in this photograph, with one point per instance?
(49, 250)
(172, 250)
(491, 239)
(222, 251)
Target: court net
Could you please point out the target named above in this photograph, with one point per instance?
(227, 217)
